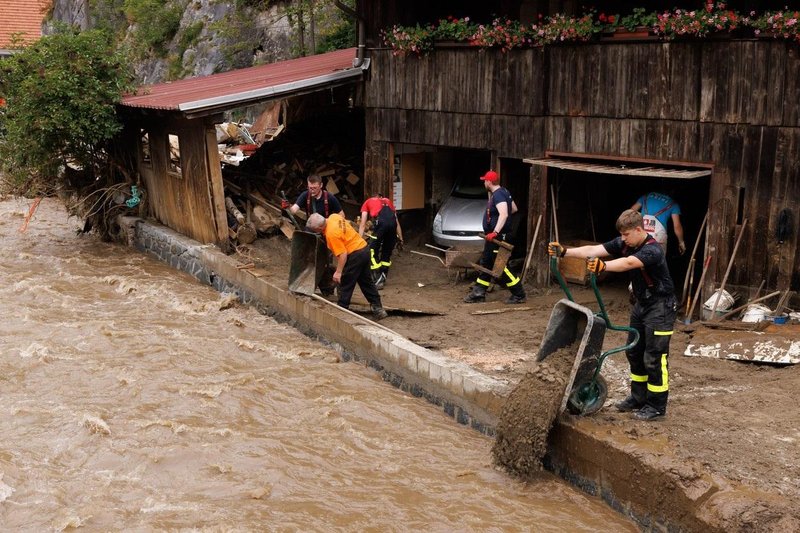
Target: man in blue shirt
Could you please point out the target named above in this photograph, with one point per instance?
(653, 314)
(496, 225)
(657, 210)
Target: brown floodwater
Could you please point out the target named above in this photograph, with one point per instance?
(132, 397)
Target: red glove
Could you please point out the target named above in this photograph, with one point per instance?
(595, 265)
(490, 236)
(285, 204)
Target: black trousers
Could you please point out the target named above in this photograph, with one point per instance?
(357, 271)
(383, 241)
(648, 359)
(511, 281)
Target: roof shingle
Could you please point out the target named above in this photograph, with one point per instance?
(22, 18)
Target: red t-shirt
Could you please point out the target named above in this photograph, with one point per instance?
(374, 205)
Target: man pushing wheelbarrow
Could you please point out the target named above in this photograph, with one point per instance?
(653, 313)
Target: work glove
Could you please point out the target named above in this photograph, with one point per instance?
(285, 204)
(595, 265)
(490, 236)
(554, 249)
(682, 247)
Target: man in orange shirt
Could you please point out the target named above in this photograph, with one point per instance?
(352, 260)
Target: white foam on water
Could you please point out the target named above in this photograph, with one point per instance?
(162, 507)
(5, 490)
(35, 350)
(95, 424)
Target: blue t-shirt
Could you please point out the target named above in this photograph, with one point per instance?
(654, 202)
(492, 214)
(652, 281)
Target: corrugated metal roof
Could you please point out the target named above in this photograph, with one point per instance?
(22, 18)
(238, 87)
(622, 170)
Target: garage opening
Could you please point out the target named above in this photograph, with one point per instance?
(589, 194)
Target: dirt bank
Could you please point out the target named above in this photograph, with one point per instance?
(738, 420)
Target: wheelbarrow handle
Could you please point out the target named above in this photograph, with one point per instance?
(560, 278)
(604, 315)
(289, 212)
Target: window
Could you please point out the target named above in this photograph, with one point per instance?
(174, 153)
(144, 148)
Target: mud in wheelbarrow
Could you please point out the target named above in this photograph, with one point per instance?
(571, 324)
(309, 262)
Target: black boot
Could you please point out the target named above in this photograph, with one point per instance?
(517, 295)
(478, 294)
(378, 313)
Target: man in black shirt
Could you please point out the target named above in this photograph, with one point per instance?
(653, 314)
(315, 200)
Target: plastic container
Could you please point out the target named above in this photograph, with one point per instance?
(780, 319)
(726, 302)
(756, 313)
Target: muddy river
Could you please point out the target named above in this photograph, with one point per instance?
(133, 397)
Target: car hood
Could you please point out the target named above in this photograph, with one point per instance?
(463, 214)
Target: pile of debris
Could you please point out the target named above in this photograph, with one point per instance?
(278, 169)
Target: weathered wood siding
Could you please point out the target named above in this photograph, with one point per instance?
(182, 203)
(734, 105)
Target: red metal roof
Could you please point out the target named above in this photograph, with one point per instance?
(245, 85)
(22, 18)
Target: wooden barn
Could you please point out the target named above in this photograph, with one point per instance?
(170, 138)
(586, 128)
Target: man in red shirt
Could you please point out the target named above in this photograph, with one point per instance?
(352, 260)
(384, 236)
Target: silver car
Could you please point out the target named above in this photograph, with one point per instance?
(460, 218)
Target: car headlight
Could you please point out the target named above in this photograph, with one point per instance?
(437, 223)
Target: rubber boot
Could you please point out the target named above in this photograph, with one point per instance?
(477, 295)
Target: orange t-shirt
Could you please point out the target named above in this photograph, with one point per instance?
(341, 237)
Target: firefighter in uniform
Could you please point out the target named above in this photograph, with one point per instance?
(385, 233)
(653, 314)
(314, 200)
(496, 225)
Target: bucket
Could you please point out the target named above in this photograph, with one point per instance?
(780, 319)
(756, 313)
(726, 301)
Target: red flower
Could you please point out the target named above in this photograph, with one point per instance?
(601, 17)
(611, 19)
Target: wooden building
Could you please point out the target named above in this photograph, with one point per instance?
(170, 139)
(595, 125)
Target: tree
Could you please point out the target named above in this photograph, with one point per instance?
(60, 112)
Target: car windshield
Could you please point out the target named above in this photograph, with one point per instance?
(469, 189)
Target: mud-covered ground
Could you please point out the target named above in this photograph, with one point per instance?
(739, 420)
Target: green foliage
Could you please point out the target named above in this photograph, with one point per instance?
(190, 35)
(61, 94)
(342, 36)
(639, 18)
(157, 22)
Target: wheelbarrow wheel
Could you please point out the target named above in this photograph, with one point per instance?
(588, 393)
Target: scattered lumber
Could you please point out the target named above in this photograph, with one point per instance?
(504, 310)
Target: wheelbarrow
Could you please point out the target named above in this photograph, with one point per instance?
(309, 262)
(586, 389)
